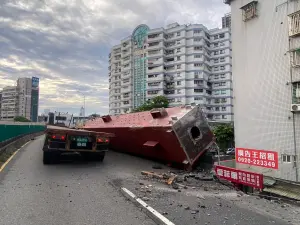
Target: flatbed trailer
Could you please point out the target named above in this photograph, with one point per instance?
(62, 140)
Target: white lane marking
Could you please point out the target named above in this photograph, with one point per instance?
(11, 157)
(129, 192)
(157, 215)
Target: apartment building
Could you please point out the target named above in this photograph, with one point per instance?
(266, 69)
(21, 100)
(9, 102)
(189, 64)
(226, 21)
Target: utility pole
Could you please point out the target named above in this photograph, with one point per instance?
(83, 105)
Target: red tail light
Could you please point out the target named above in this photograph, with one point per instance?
(99, 140)
(107, 140)
(53, 136)
(63, 138)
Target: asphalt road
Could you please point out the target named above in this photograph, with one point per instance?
(67, 193)
(79, 193)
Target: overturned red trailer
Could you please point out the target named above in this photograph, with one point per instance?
(177, 135)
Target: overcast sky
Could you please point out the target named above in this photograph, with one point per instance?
(66, 42)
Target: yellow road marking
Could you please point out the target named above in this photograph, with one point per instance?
(10, 158)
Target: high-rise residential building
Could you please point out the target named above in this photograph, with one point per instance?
(21, 100)
(9, 102)
(186, 63)
(226, 21)
(266, 70)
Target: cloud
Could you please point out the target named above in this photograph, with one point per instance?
(66, 43)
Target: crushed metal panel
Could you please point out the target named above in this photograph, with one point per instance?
(194, 134)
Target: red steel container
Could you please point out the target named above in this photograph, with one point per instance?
(173, 135)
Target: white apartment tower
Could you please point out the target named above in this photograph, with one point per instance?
(9, 102)
(266, 69)
(186, 63)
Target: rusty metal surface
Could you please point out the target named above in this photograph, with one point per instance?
(56, 129)
(162, 134)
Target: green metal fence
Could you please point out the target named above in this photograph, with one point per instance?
(12, 130)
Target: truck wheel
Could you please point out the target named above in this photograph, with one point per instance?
(47, 158)
(50, 157)
(99, 156)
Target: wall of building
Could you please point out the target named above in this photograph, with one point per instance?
(186, 63)
(262, 89)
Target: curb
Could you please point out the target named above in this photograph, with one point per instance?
(152, 213)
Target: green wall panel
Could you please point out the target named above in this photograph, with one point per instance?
(11, 131)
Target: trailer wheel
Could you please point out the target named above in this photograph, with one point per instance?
(50, 157)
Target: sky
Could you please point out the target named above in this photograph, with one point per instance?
(66, 42)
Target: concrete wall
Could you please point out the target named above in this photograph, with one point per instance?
(261, 70)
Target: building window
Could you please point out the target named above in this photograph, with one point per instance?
(197, 31)
(294, 24)
(198, 48)
(217, 108)
(178, 33)
(221, 35)
(216, 68)
(222, 68)
(222, 44)
(178, 58)
(223, 108)
(216, 60)
(287, 158)
(197, 64)
(178, 82)
(197, 56)
(223, 75)
(217, 100)
(222, 59)
(178, 49)
(224, 100)
(223, 92)
(178, 66)
(222, 51)
(198, 98)
(178, 74)
(296, 93)
(198, 90)
(197, 39)
(249, 11)
(216, 77)
(179, 91)
(216, 37)
(216, 45)
(224, 117)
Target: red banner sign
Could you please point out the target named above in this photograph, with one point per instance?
(240, 176)
(268, 159)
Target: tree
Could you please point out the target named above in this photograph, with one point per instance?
(94, 115)
(156, 102)
(224, 134)
(21, 119)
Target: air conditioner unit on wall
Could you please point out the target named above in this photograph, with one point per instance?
(295, 107)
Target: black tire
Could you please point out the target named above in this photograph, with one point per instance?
(50, 157)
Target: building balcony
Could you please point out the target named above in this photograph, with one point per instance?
(153, 46)
(153, 62)
(154, 53)
(126, 82)
(155, 78)
(126, 89)
(157, 69)
(126, 53)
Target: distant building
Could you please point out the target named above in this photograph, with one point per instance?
(188, 64)
(21, 100)
(9, 103)
(226, 21)
(81, 112)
